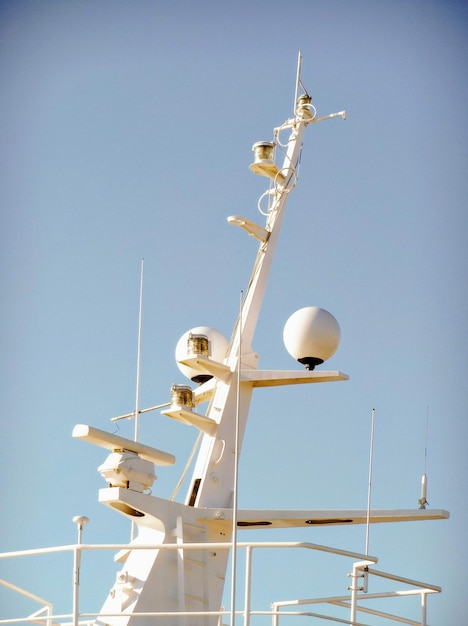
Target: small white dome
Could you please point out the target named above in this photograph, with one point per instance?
(311, 335)
(214, 347)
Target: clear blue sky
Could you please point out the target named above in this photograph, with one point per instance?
(126, 133)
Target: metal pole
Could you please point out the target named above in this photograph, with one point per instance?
(360, 566)
(133, 531)
(236, 472)
(298, 81)
(370, 483)
(80, 520)
(423, 609)
(248, 576)
(138, 376)
(354, 591)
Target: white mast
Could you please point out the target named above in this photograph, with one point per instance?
(187, 584)
(149, 577)
(173, 570)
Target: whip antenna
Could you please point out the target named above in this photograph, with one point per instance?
(298, 79)
(369, 489)
(137, 399)
(138, 372)
(423, 499)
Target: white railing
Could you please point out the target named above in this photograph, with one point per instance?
(351, 602)
(361, 570)
(42, 615)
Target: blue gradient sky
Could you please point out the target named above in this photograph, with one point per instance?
(126, 133)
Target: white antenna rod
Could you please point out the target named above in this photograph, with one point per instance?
(236, 473)
(137, 399)
(370, 482)
(133, 532)
(423, 499)
(425, 449)
(298, 80)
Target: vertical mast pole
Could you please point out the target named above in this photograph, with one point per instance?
(213, 474)
(137, 398)
(236, 476)
(256, 289)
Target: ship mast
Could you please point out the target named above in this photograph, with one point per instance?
(213, 475)
(185, 581)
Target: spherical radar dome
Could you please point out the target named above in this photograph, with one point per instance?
(200, 340)
(311, 335)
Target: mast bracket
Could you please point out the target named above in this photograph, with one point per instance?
(254, 230)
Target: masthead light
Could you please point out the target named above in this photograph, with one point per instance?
(263, 164)
(200, 341)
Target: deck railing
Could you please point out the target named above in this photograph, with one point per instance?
(362, 569)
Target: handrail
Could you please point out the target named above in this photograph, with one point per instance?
(192, 545)
(351, 601)
(360, 569)
(48, 607)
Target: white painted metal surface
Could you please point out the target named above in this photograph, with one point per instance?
(175, 567)
(186, 580)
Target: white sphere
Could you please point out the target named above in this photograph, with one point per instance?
(311, 335)
(217, 347)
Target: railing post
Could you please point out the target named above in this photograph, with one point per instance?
(357, 567)
(248, 573)
(275, 609)
(80, 521)
(423, 609)
(354, 590)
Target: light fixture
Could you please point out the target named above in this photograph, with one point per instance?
(263, 164)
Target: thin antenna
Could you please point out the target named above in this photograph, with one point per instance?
(427, 431)
(423, 499)
(298, 80)
(236, 473)
(371, 454)
(137, 399)
(138, 374)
